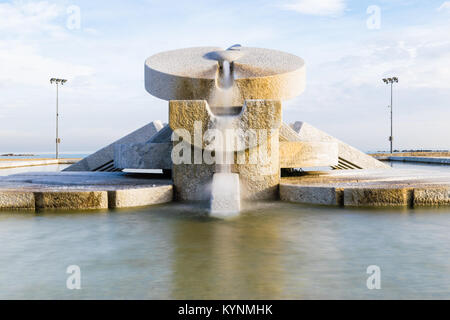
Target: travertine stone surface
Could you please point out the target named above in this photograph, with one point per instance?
(145, 155)
(302, 154)
(261, 114)
(255, 114)
(71, 200)
(190, 74)
(192, 182)
(17, 200)
(287, 134)
(183, 114)
(376, 187)
(432, 196)
(138, 197)
(83, 190)
(349, 157)
(258, 180)
(364, 188)
(311, 194)
(102, 157)
(376, 197)
(293, 154)
(152, 154)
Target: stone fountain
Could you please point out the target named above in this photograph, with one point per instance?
(243, 87)
(225, 142)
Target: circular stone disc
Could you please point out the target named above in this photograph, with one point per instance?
(191, 74)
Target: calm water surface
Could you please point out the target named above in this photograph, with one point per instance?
(273, 251)
(418, 166)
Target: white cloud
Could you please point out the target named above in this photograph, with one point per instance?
(22, 64)
(317, 7)
(444, 6)
(419, 56)
(22, 26)
(29, 17)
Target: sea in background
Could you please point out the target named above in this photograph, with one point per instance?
(41, 155)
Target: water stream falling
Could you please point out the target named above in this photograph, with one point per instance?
(225, 191)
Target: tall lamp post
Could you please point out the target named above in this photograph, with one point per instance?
(391, 81)
(58, 82)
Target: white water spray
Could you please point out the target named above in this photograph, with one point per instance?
(225, 191)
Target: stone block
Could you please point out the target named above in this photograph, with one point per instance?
(310, 194)
(377, 197)
(137, 197)
(190, 74)
(302, 154)
(17, 200)
(152, 154)
(431, 196)
(71, 200)
(103, 159)
(258, 180)
(349, 157)
(192, 182)
(143, 156)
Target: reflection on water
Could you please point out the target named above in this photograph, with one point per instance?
(227, 259)
(274, 250)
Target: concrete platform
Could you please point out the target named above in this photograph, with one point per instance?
(375, 188)
(102, 190)
(82, 190)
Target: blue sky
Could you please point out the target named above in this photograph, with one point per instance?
(104, 62)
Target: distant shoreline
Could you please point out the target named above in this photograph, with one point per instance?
(17, 155)
(40, 155)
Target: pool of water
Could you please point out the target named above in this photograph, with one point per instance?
(418, 165)
(274, 250)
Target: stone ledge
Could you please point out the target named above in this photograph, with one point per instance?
(17, 200)
(82, 190)
(431, 196)
(310, 195)
(377, 197)
(127, 198)
(378, 188)
(84, 200)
